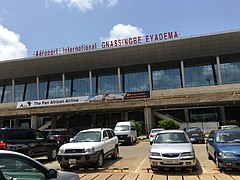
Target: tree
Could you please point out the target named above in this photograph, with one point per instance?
(138, 126)
(168, 124)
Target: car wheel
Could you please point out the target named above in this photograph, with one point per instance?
(131, 141)
(52, 154)
(99, 161)
(217, 162)
(209, 156)
(64, 167)
(115, 154)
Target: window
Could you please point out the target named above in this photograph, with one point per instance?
(13, 167)
(134, 82)
(19, 134)
(39, 135)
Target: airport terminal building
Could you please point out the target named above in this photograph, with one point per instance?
(190, 79)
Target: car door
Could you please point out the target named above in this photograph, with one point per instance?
(106, 141)
(112, 141)
(42, 143)
(210, 143)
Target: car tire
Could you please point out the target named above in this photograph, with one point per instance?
(209, 156)
(99, 161)
(115, 154)
(217, 162)
(52, 155)
(64, 167)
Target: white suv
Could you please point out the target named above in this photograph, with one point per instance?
(89, 147)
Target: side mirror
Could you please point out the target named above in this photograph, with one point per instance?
(52, 173)
(210, 139)
(70, 140)
(106, 138)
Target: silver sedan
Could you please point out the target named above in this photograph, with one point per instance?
(172, 148)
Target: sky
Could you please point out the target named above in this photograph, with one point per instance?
(27, 26)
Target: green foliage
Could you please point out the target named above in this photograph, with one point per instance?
(138, 126)
(168, 124)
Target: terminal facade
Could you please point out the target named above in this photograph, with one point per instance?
(191, 79)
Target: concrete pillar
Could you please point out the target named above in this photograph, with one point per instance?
(13, 90)
(38, 87)
(53, 122)
(149, 120)
(119, 80)
(186, 116)
(218, 70)
(63, 85)
(182, 73)
(94, 121)
(90, 82)
(222, 115)
(124, 116)
(150, 77)
(34, 121)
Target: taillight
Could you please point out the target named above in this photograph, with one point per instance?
(3, 145)
(202, 133)
(151, 135)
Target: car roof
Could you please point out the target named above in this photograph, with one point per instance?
(172, 131)
(157, 129)
(227, 130)
(95, 129)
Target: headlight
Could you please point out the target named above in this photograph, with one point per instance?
(226, 154)
(89, 150)
(61, 150)
(187, 154)
(155, 154)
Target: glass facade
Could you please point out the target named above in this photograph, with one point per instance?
(230, 72)
(204, 115)
(200, 75)
(162, 78)
(138, 81)
(166, 79)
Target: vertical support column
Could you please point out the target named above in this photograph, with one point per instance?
(53, 122)
(124, 116)
(182, 73)
(218, 70)
(90, 82)
(150, 77)
(63, 85)
(119, 80)
(13, 90)
(222, 115)
(94, 121)
(149, 120)
(186, 115)
(34, 121)
(37, 87)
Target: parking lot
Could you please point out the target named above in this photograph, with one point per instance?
(133, 163)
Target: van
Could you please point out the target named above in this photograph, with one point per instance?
(126, 132)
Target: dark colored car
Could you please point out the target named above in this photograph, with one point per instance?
(61, 135)
(195, 134)
(223, 146)
(31, 142)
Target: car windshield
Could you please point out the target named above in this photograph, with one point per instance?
(171, 138)
(54, 133)
(87, 137)
(122, 128)
(194, 130)
(228, 137)
(156, 130)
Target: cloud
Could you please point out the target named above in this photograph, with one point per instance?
(86, 5)
(10, 45)
(120, 31)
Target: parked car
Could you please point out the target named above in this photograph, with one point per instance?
(14, 165)
(172, 148)
(61, 135)
(223, 146)
(229, 127)
(89, 147)
(31, 142)
(126, 132)
(195, 134)
(153, 133)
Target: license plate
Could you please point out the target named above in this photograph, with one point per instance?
(72, 161)
(192, 139)
(194, 134)
(171, 161)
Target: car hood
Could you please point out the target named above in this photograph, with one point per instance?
(173, 148)
(80, 145)
(229, 147)
(62, 175)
